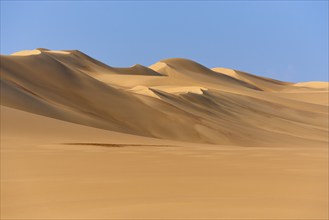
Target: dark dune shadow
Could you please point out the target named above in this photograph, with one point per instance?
(118, 145)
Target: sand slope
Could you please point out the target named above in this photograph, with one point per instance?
(174, 99)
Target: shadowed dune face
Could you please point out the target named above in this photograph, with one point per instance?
(174, 99)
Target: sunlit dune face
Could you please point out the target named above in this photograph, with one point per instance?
(37, 52)
(58, 52)
(26, 53)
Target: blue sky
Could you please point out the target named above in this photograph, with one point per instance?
(286, 40)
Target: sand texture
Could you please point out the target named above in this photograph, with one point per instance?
(175, 140)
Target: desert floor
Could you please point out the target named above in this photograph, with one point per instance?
(48, 172)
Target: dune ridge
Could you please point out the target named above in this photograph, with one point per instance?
(175, 99)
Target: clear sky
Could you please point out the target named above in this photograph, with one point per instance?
(287, 40)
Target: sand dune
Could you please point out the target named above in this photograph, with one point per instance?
(84, 140)
(314, 85)
(176, 99)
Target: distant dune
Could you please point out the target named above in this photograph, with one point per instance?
(175, 140)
